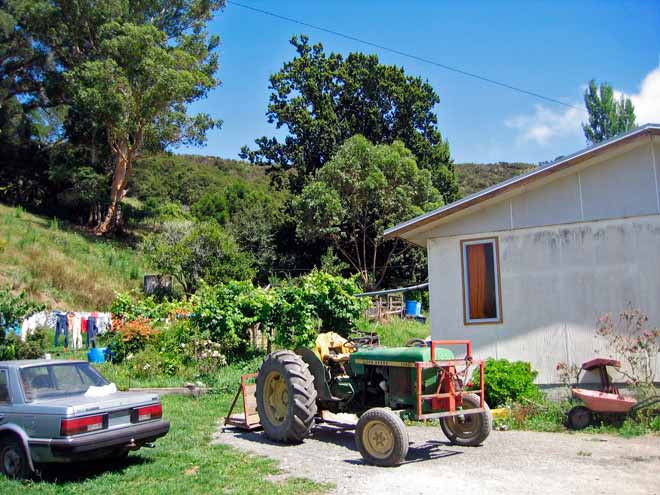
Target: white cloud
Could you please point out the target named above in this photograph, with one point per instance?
(545, 125)
(647, 101)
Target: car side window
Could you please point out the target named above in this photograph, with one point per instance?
(4, 388)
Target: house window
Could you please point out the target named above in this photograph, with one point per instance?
(481, 281)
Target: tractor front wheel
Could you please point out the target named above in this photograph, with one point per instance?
(381, 437)
(468, 430)
(286, 397)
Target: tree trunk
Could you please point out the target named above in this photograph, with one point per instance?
(117, 191)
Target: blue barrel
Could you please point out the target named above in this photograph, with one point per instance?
(96, 355)
(413, 308)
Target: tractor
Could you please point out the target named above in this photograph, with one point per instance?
(382, 386)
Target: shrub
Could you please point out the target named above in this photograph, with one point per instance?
(196, 251)
(130, 337)
(507, 381)
(34, 347)
(128, 306)
(226, 312)
(655, 424)
(333, 300)
(14, 307)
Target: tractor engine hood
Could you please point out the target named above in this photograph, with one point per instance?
(395, 356)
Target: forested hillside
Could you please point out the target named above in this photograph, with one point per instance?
(473, 177)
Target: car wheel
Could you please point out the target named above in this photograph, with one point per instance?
(13, 459)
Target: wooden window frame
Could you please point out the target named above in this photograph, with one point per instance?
(498, 282)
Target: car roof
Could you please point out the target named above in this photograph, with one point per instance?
(24, 363)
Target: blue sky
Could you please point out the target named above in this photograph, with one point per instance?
(553, 48)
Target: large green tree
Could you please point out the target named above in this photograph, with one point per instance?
(322, 100)
(126, 71)
(608, 116)
(351, 200)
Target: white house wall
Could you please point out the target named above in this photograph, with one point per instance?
(556, 281)
(623, 185)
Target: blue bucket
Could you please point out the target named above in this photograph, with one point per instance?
(413, 308)
(96, 355)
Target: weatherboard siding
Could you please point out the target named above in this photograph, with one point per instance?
(556, 281)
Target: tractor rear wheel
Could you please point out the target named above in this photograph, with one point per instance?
(469, 430)
(286, 397)
(381, 437)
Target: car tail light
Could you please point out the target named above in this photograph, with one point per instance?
(76, 426)
(146, 413)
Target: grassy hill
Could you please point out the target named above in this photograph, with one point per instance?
(473, 177)
(62, 267)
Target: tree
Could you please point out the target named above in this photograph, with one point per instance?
(352, 198)
(23, 63)
(126, 70)
(192, 252)
(322, 100)
(607, 115)
(137, 91)
(250, 215)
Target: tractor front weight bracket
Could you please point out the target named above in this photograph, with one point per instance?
(448, 397)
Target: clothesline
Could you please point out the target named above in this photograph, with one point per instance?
(72, 324)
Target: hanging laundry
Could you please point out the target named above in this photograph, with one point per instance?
(31, 323)
(92, 330)
(76, 336)
(62, 328)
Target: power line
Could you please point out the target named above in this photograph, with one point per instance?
(406, 54)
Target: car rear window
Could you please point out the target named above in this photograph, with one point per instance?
(56, 380)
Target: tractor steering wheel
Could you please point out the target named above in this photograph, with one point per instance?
(416, 343)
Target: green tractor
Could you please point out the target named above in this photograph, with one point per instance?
(421, 381)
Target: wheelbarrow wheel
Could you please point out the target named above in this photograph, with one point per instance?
(579, 418)
(381, 437)
(469, 430)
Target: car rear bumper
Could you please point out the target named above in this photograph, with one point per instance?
(104, 443)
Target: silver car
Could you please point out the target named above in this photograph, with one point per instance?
(48, 414)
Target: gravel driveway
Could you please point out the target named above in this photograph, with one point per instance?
(511, 462)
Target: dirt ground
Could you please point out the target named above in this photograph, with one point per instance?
(509, 462)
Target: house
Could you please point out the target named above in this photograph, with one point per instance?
(525, 268)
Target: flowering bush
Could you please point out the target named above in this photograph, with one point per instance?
(131, 337)
(634, 342)
(208, 358)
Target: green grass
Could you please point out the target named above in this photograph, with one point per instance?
(397, 332)
(182, 462)
(61, 267)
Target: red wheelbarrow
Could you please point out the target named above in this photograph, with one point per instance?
(605, 402)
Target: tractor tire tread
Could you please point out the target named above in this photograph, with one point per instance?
(302, 404)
